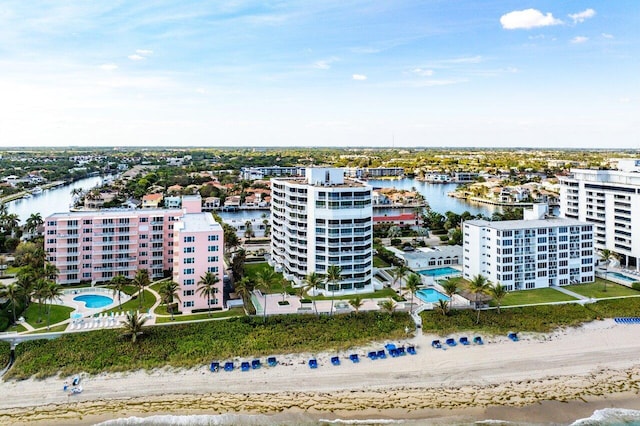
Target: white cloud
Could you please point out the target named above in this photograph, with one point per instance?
(605, 35)
(581, 16)
(527, 19)
(140, 55)
(324, 64)
(109, 67)
(136, 57)
(422, 72)
(359, 77)
(144, 52)
(579, 39)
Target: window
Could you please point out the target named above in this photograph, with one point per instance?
(188, 293)
(212, 259)
(189, 239)
(188, 271)
(213, 238)
(187, 304)
(212, 269)
(189, 260)
(212, 248)
(189, 281)
(189, 249)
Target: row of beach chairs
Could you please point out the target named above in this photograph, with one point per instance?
(627, 320)
(255, 364)
(451, 342)
(372, 355)
(94, 323)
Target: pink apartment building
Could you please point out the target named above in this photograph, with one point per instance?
(95, 246)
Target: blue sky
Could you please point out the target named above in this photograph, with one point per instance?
(425, 73)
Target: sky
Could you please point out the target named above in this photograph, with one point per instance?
(347, 73)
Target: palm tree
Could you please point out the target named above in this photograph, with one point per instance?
(356, 303)
(478, 285)
(133, 325)
(265, 280)
(312, 281)
(40, 293)
(53, 292)
(498, 292)
(50, 271)
(169, 293)
(243, 288)
(248, 230)
(33, 222)
(398, 274)
(606, 256)
(14, 293)
(413, 282)
(141, 280)
(26, 280)
(334, 273)
(207, 288)
(388, 306)
(10, 222)
(443, 306)
(450, 288)
(118, 283)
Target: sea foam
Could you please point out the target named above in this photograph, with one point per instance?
(610, 416)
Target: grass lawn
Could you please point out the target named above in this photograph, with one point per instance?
(17, 328)
(596, 289)
(61, 327)
(386, 292)
(252, 269)
(530, 297)
(235, 312)
(379, 262)
(58, 313)
(134, 304)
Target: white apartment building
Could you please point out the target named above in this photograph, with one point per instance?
(319, 220)
(536, 252)
(610, 200)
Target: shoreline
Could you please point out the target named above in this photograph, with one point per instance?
(570, 373)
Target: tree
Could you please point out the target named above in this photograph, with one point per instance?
(334, 273)
(50, 271)
(606, 256)
(243, 288)
(169, 293)
(40, 293)
(394, 232)
(141, 280)
(312, 281)
(13, 293)
(231, 240)
(450, 288)
(207, 288)
(413, 282)
(33, 222)
(237, 264)
(443, 306)
(478, 285)
(133, 324)
(498, 292)
(26, 278)
(356, 303)
(398, 274)
(248, 230)
(388, 306)
(118, 283)
(53, 293)
(265, 280)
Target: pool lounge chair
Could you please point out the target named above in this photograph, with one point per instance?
(436, 344)
(464, 341)
(245, 366)
(451, 341)
(214, 367)
(228, 366)
(478, 340)
(335, 360)
(255, 364)
(272, 361)
(373, 355)
(354, 358)
(381, 354)
(411, 350)
(313, 363)
(513, 336)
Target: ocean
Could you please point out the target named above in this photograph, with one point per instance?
(604, 417)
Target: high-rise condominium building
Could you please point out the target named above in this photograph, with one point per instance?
(95, 246)
(320, 220)
(533, 253)
(610, 200)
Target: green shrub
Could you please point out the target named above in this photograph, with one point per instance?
(636, 286)
(5, 351)
(396, 241)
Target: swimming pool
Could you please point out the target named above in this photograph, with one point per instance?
(438, 272)
(430, 295)
(624, 277)
(94, 300)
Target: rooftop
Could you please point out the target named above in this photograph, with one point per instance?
(519, 224)
(195, 222)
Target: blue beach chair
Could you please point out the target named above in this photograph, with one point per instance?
(373, 355)
(354, 358)
(255, 364)
(214, 367)
(436, 344)
(464, 341)
(451, 341)
(245, 366)
(313, 363)
(513, 336)
(272, 361)
(401, 351)
(335, 360)
(228, 366)
(411, 350)
(381, 354)
(478, 340)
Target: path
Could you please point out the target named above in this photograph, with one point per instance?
(570, 293)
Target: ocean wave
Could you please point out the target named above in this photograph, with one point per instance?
(610, 416)
(369, 422)
(212, 420)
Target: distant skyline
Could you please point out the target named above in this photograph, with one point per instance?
(331, 73)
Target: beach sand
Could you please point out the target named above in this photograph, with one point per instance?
(555, 377)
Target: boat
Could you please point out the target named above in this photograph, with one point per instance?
(36, 190)
(27, 195)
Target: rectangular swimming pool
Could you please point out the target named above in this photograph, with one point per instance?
(438, 272)
(430, 295)
(623, 277)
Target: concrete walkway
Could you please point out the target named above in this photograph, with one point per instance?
(570, 293)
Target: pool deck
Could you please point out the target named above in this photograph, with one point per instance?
(80, 309)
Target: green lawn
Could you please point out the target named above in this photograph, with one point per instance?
(596, 289)
(251, 269)
(58, 313)
(378, 262)
(134, 304)
(386, 292)
(235, 312)
(57, 328)
(530, 297)
(19, 328)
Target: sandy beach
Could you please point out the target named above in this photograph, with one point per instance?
(553, 377)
